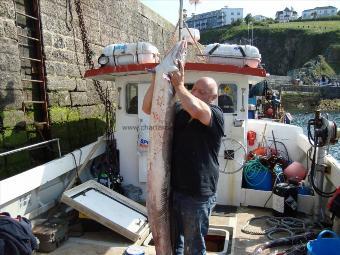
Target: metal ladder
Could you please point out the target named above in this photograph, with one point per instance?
(28, 16)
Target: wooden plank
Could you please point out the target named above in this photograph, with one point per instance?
(18, 185)
(108, 217)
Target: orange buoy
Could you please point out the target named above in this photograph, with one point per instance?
(260, 151)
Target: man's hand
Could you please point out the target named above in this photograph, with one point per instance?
(177, 78)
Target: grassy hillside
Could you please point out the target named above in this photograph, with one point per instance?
(330, 25)
(286, 46)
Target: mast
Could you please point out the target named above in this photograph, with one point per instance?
(180, 25)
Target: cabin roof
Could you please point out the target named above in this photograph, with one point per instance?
(108, 73)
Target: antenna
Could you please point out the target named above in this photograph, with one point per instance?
(180, 19)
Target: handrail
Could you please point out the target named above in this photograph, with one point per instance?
(32, 146)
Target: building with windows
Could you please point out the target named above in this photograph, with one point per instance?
(214, 19)
(259, 18)
(286, 15)
(319, 12)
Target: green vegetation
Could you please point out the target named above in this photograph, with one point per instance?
(291, 101)
(313, 70)
(285, 46)
(318, 26)
(333, 57)
(74, 127)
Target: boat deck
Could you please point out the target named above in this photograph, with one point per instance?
(106, 242)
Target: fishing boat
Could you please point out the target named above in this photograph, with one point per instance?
(241, 194)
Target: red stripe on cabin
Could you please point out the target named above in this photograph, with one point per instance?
(225, 69)
(118, 69)
(106, 70)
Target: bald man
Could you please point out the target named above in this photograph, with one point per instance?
(198, 129)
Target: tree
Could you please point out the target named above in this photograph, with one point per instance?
(237, 22)
(339, 13)
(249, 18)
(270, 20)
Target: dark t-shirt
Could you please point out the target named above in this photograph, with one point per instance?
(195, 167)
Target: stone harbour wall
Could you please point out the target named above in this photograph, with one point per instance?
(11, 94)
(106, 22)
(75, 109)
(11, 89)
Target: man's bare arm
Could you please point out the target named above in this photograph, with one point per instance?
(147, 102)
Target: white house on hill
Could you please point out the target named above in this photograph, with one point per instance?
(259, 17)
(214, 19)
(286, 15)
(319, 12)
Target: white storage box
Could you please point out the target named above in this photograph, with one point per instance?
(233, 54)
(130, 53)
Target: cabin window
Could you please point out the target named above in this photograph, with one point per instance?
(132, 98)
(227, 97)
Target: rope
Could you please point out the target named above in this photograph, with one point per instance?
(290, 225)
(252, 170)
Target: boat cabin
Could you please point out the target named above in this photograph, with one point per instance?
(132, 124)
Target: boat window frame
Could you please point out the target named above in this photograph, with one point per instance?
(234, 96)
(128, 98)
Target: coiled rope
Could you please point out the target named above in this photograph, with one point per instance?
(290, 225)
(252, 170)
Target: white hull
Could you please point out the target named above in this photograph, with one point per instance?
(35, 191)
(38, 189)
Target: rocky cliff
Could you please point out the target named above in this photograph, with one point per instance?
(285, 48)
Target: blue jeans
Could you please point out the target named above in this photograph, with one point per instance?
(190, 222)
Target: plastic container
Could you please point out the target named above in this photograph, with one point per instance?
(251, 114)
(233, 54)
(304, 190)
(251, 111)
(251, 136)
(131, 53)
(323, 245)
(134, 250)
(260, 180)
(252, 100)
(279, 173)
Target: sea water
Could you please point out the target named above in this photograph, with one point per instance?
(301, 119)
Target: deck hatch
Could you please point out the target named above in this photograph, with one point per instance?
(109, 208)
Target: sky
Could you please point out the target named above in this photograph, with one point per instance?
(169, 8)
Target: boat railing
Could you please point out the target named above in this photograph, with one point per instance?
(33, 146)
